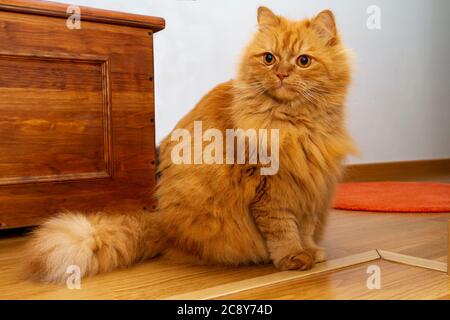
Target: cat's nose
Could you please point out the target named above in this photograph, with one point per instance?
(282, 75)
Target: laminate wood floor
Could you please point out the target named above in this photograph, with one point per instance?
(348, 233)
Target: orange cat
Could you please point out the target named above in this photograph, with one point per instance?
(293, 77)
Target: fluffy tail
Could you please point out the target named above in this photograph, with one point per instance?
(93, 243)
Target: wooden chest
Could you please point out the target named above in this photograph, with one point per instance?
(76, 110)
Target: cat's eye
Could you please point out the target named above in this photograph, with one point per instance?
(268, 58)
(304, 61)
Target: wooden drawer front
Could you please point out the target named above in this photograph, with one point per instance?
(54, 119)
(76, 118)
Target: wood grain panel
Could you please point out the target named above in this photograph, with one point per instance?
(44, 134)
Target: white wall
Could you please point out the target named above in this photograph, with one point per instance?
(399, 107)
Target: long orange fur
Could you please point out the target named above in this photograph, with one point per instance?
(231, 214)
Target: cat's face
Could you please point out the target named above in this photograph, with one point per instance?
(296, 60)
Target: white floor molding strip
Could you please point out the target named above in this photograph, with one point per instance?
(413, 261)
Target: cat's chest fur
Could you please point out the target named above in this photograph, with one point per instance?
(310, 153)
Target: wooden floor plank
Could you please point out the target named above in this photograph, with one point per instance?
(397, 282)
(448, 249)
(422, 235)
(348, 233)
(274, 278)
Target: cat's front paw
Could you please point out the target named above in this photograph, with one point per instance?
(298, 261)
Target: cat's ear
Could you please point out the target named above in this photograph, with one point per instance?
(266, 17)
(325, 26)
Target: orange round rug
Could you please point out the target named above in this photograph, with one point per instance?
(393, 197)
